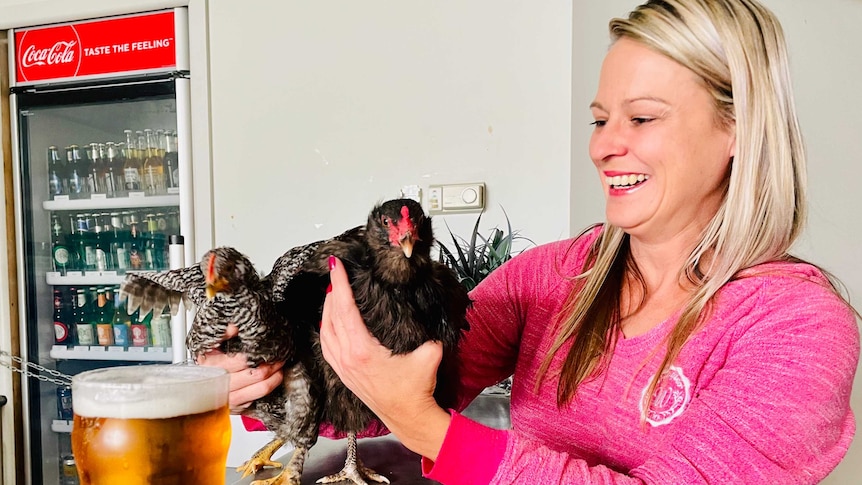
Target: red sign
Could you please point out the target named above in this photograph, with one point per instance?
(117, 45)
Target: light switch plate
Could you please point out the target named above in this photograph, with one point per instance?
(453, 198)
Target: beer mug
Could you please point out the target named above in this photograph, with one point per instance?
(151, 424)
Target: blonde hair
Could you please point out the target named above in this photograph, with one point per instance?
(737, 49)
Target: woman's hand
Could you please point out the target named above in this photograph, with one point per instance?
(398, 388)
(246, 383)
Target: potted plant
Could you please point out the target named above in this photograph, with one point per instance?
(474, 259)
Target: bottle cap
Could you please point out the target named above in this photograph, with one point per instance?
(176, 239)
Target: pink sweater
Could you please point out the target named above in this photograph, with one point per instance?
(759, 395)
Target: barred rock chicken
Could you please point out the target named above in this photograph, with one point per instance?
(405, 297)
(225, 288)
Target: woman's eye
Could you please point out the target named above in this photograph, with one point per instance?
(599, 123)
(641, 120)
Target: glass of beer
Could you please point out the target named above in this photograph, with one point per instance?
(151, 424)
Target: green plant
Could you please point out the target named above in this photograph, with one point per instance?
(475, 259)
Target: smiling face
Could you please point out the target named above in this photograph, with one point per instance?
(661, 153)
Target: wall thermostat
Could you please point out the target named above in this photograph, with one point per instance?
(450, 198)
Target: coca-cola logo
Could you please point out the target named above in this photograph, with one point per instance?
(60, 53)
(49, 53)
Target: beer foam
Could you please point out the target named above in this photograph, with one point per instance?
(149, 391)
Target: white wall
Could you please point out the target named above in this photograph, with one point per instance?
(320, 109)
(826, 65)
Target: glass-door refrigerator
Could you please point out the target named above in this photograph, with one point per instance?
(100, 128)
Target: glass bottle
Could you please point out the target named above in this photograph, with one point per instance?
(120, 322)
(131, 165)
(94, 169)
(56, 173)
(104, 330)
(140, 329)
(154, 172)
(62, 328)
(101, 244)
(62, 258)
(83, 325)
(111, 169)
(73, 242)
(119, 236)
(141, 151)
(173, 222)
(109, 301)
(160, 143)
(77, 175)
(136, 255)
(160, 329)
(153, 244)
(87, 242)
(171, 163)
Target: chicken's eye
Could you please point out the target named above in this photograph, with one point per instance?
(385, 221)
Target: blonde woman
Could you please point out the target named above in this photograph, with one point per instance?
(677, 343)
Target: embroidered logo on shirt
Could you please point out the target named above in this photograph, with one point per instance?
(671, 397)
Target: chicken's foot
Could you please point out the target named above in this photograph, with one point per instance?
(353, 469)
(262, 458)
(292, 472)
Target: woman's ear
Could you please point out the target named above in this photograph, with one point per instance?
(731, 149)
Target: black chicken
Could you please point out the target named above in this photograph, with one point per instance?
(405, 297)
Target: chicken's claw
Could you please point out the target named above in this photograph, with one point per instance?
(255, 464)
(357, 475)
(353, 469)
(262, 458)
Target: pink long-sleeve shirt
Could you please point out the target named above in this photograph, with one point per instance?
(761, 394)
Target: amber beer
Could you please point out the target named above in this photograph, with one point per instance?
(151, 425)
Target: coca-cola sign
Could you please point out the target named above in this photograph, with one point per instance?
(99, 47)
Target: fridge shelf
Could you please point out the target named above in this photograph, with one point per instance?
(89, 278)
(61, 426)
(112, 203)
(98, 352)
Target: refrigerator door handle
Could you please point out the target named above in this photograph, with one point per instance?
(187, 229)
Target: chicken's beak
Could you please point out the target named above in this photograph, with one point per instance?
(211, 291)
(407, 245)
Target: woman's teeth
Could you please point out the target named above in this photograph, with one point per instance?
(626, 181)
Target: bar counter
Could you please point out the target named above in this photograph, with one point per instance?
(384, 454)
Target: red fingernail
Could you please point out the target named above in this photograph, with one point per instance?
(329, 289)
(331, 263)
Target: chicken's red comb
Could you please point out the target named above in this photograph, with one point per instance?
(211, 267)
(406, 223)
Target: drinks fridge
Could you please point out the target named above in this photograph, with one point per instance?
(100, 123)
